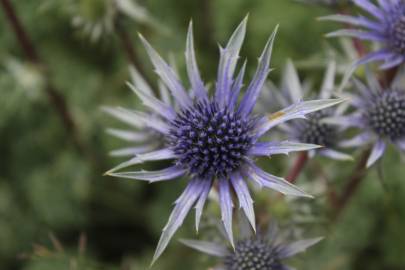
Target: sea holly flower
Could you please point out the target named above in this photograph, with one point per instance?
(312, 130)
(380, 114)
(214, 138)
(254, 251)
(387, 28)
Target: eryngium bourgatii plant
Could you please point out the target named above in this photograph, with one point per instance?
(215, 139)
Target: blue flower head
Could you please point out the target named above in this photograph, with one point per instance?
(264, 250)
(214, 138)
(386, 28)
(379, 113)
(313, 129)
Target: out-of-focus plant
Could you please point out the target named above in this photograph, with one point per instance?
(43, 257)
(27, 76)
(99, 18)
(344, 54)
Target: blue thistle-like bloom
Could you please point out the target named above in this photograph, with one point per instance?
(261, 251)
(314, 129)
(214, 138)
(380, 114)
(387, 28)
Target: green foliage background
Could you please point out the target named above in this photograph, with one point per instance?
(47, 186)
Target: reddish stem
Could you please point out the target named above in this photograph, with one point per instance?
(357, 44)
(354, 182)
(298, 167)
(360, 170)
(57, 100)
(21, 35)
(387, 77)
(330, 192)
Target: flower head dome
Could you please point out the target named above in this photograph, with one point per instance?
(386, 28)
(261, 251)
(380, 113)
(313, 129)
(214, 138)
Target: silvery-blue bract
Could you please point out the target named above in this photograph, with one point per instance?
(141, 138)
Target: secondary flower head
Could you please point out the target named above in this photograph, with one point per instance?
(214, 138)
(254, 251)
(380, 113)
(387, 28)
(313, 129)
